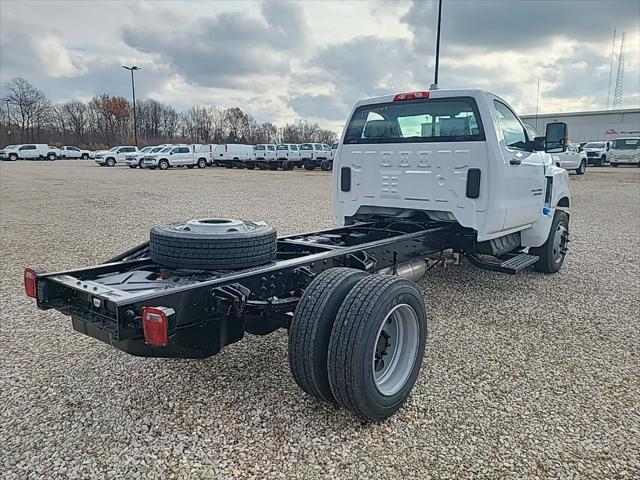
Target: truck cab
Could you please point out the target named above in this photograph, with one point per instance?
(460, 156)
(625, 151)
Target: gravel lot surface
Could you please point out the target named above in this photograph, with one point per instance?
(530, 376)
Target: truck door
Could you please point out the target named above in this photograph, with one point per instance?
(524, 179)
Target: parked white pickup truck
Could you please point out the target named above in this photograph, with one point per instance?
(134, 160)
(572, 159)
(74, 152)
(31, 151)
(178, 156)
(115, 156)
(416, 174)
(596, 153)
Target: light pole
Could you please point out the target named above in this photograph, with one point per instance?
(8, 117)
(133, 90)
(434, 86)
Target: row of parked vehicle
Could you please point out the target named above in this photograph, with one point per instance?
(621, 151)
(42, 151)
(284, 156)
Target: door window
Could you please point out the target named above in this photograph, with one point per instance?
(512, 129)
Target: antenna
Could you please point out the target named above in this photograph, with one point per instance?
(434, 85)
(617, 96)
(613, 46)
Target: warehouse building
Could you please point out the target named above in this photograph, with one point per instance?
(591, 126)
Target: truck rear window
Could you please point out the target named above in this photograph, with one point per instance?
(454, 119)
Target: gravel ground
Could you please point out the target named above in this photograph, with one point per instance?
(530, 376)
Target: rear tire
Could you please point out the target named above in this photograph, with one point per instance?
(377, 345)
(85, 156)
(309, 166)
(311, 327)
(287, 165)
(273, 166)
(553, 252)
(326, 165)
(51, 157)
(190, 166)
(202, 163)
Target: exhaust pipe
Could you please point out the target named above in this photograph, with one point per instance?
(412, 270)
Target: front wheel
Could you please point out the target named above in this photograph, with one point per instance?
(163, 164)
(603, 160)
(376, 346)
(553, 252)
(51, 157)
(582, 168)
(140, 163)
(111, 162)
(13, 158)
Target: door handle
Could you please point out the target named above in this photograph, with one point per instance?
(515, 161)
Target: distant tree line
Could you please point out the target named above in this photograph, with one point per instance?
(27, 116)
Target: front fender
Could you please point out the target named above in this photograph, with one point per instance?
(560, 194)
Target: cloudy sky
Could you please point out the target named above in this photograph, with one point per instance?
(313, 59)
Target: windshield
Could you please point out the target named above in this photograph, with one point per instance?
(594, 145)
(306, 146)
(259, 147)
(157, 149)
(113, 149)
(9, 146)
(145, 149)
(282, 147)
(626, 143)
(454, 119)
(167, 149)
(334, 146)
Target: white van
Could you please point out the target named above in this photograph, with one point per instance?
(232, 155)
(265, 157)
(625, 151)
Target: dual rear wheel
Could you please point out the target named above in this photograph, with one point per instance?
(357, 340)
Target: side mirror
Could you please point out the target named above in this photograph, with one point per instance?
(556, 137)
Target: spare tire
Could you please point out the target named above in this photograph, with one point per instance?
(213, 244)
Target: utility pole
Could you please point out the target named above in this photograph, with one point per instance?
(537, 103)
(8, 117)
(613, 46)
(133, 90)
(434, 86)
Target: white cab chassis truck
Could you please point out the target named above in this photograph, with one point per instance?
(416, 175)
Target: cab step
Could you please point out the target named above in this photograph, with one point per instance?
(510, 263)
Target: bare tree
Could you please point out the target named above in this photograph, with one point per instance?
(27, 101)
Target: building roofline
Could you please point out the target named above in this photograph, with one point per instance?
(592, 112)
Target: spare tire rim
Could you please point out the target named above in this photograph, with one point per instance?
(218, 225)
(396, 349)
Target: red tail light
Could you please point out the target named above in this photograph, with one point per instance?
(155, 324)
(30, 287)
(410, 96)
